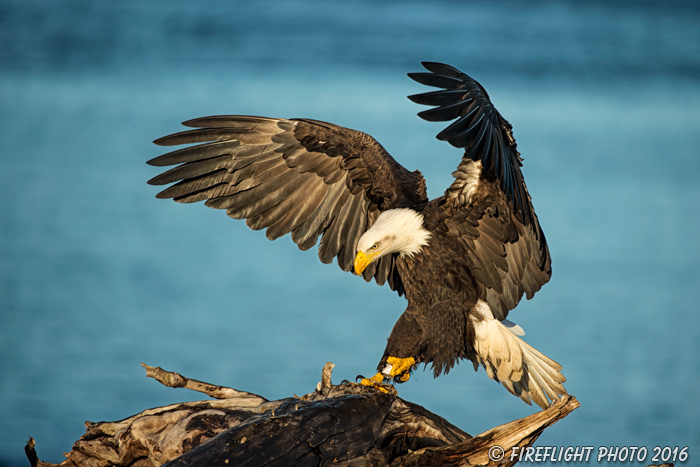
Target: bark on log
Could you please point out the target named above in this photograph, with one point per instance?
(344, 424)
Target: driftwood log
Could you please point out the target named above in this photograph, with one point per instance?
(344, 424)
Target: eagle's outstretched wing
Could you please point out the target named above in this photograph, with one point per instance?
(305, 177)
(493, 210)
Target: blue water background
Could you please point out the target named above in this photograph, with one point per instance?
(96, 275)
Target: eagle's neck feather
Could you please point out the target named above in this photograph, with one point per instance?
(402, 228)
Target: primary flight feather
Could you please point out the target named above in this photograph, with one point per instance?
(462, 260)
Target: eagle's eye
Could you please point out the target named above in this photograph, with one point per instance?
(374, 247)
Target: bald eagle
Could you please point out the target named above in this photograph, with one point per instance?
(463, 260)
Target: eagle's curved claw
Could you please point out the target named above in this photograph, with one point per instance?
(398, 379)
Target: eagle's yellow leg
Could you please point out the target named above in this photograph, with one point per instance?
(396, 368)
(400, 367)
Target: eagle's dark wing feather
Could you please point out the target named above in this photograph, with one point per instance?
(490, 207)
(308, 178)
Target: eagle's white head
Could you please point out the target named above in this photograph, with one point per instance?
(395, 231)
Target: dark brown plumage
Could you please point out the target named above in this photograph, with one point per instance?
(310, 178)
(472, 255)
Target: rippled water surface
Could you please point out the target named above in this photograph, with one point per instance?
(96, 275)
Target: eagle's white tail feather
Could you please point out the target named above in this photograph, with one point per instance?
(514, 328)
(522, 369)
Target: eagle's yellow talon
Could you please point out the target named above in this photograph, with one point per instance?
(396, 368)
(376, 381)
(379, 378)
(400, 367)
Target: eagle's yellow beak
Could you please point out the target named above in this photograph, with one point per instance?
(362, 261)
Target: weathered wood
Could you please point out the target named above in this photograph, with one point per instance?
(479, 450)
(172, 379)
(345, 424)
(351, 424)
